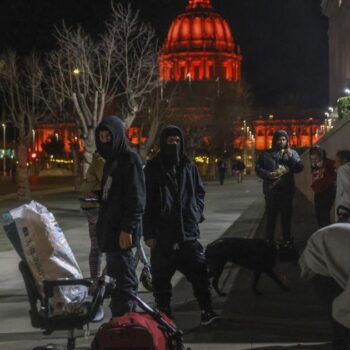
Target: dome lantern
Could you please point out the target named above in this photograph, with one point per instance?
(193, 4)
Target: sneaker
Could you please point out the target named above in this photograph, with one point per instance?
(208, 317)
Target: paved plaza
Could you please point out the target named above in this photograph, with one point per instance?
(274, 320)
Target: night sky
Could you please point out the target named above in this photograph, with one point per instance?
(284, 42)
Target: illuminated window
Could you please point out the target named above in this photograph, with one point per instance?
(210, 71)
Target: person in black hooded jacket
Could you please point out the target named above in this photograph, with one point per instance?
(174, 208)
(277, 167)
(122, 203)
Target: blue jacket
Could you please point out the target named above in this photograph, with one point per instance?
(270, 160)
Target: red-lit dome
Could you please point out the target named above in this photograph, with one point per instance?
(199, 29)
(198, 34)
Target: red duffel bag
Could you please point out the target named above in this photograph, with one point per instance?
(136, 331)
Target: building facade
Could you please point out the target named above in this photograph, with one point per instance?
(338, 12)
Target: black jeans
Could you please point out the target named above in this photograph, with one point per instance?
(327, 289)
(222, 176)
(189, 259)
(279, 203)
(323, 204)
(121, 266)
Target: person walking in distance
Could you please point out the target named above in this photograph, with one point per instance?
(174, 208)
(122, 205)
(237, 169)
(323, 184)
(90, 191)
(222, 170)
(277, 166)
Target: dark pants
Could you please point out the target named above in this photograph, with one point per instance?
(95, 256)
(121, 266)
(327, 289)
(222, 176)
(323, 205)
(189, 259)
(279, 203)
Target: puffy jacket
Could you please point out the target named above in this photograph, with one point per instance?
(270, 160)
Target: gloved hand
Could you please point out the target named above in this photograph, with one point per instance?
(273, 175)
(282, 169)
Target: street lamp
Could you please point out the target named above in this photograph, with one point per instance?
(347, 91)
(76, 71)
(4, 146)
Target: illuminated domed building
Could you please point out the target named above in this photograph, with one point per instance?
(200, 46)
(201, 59)
(201, 62)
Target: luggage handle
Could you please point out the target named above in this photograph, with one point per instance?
(156, 315)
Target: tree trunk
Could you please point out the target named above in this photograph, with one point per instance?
(74, 147)
(89, 145)
(23, 190)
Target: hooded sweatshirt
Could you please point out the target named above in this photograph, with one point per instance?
(123, 189)
(277, 159)
(175, 194)
(171, 154)
(118, 144)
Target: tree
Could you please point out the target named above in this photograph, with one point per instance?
(119, 68)
(156, 112)
(207, 113)
(20, 85)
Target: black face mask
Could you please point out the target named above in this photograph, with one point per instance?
(106, 149)
(171, 154)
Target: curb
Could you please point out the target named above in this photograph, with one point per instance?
(42, 192)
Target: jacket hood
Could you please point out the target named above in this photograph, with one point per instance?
(116, 127)
(171, 130)
(277, 135)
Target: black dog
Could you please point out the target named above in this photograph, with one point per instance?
(254, 254)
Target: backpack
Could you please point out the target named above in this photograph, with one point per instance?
(137, 331)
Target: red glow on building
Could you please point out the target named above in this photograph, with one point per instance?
(302, 133)
(200, 46)
(63, 131)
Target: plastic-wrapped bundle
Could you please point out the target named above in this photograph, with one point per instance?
(48, 255)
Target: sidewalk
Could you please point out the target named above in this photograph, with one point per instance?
(276, 317)
(275, 320)
(224, 205)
